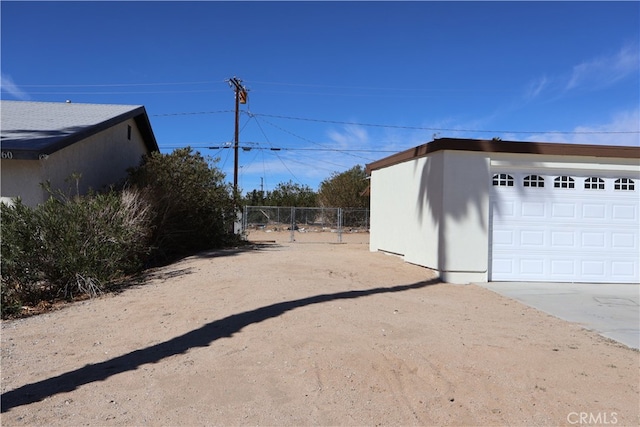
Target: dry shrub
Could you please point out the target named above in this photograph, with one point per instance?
(71, 246)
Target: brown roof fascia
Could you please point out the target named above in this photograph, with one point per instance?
(493, 146)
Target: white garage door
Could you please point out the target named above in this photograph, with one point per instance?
(565, 228)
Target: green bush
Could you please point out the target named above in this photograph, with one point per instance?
(346, 189)
(71, 246)
(194, 208)
(19, 250)
(174, 205)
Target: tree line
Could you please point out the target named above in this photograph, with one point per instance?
(347, 189)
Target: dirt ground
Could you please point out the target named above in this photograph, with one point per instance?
(310, 334)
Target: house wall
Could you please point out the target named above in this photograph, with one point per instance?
(102, 160)
(435, 212)
(422, 229)
(400, 222)
(22, 178)
(464, 230)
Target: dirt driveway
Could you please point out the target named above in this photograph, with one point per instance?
(310, 334)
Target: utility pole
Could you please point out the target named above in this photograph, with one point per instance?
(241, 98)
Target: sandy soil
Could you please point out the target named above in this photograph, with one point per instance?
(310, 334)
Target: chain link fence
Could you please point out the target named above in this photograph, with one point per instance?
(310, 222)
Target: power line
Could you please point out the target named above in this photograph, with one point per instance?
(124, 84)
(253, 147)
(124, 93)
(394, 89)
(436, 129)
(300, 137)
(190, 114)
(441, 129)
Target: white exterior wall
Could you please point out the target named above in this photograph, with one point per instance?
(388, 210)
(22, 178)
(435, 211)
(102, 160)
(464, 230)
(422, 237)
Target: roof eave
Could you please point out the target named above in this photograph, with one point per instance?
(493, 146)
(139, 115)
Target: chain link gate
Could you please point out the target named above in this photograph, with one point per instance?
(314, 224)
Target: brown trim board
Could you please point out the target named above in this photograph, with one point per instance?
(493, 146)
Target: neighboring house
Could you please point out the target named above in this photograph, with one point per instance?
(477, 210)
(48, 141)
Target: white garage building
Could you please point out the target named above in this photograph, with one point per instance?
(478, 211)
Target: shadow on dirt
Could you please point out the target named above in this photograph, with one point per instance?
(170, 271)
(201, 337)
(249, 247)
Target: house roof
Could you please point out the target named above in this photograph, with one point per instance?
(31, 129)
(493, 146)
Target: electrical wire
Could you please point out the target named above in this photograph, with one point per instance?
(439, 129)
(125, 93)
(123, 84)
(256, 146)
(308, 140)
(191, 114)
(277, 155)
(433, 129)
(394, 89)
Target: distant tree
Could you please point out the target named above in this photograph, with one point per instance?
(291, 194)
(345, 190)
(254, 198)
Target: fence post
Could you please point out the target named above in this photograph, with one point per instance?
(244, 219)
(339, 225)
(366, 219)
(293, 224)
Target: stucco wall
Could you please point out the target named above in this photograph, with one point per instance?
(388, 212)
(435, 212)
(406, 207)
(22, 178)
(101, 159)
(422, 229)
(464, 230)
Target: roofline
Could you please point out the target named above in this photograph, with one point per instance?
(493, 146)
(140, 117)
(139, 114)
(144, 125)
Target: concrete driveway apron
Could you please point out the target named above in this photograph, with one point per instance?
(612, 310)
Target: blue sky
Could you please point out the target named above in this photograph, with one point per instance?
(335, 84)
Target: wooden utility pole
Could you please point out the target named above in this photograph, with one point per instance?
(241, 98)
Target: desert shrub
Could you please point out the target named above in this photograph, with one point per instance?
(70, 246)
(92, 240)
(194, 208)
(19, 251)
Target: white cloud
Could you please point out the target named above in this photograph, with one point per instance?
(594, 74)
(535, 87)
(601, 134)
(605, 70)
(8, 86)
(352, 136)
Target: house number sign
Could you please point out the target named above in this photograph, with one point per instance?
(7, 155)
